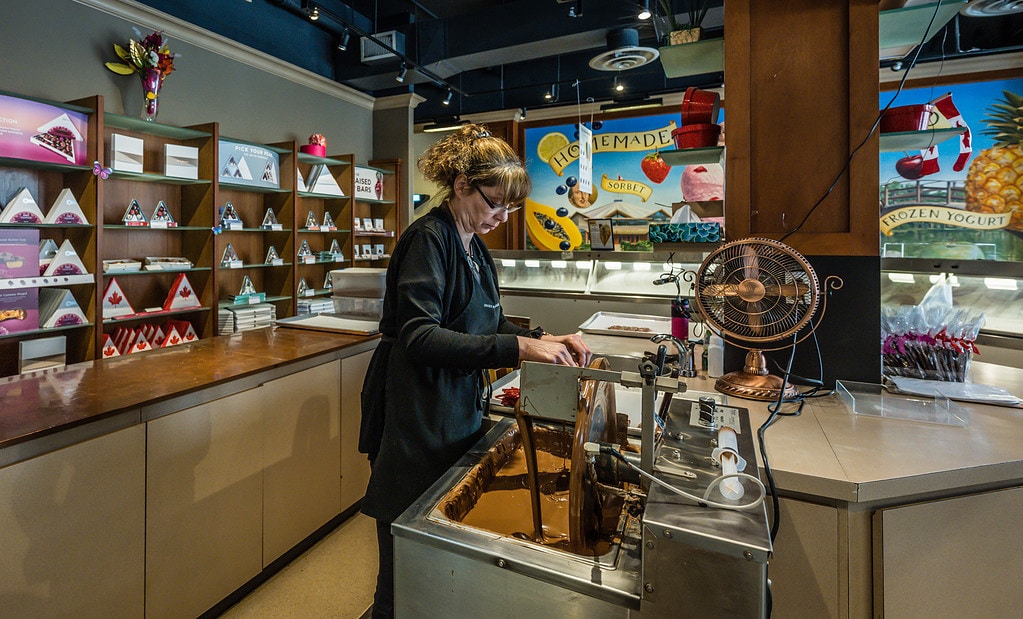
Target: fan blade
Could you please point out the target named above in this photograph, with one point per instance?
(751, 265)
(721, 290)
(794, 289)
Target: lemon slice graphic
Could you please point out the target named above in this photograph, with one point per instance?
(551, 144)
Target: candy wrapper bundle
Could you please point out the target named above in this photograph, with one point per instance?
(932, 342)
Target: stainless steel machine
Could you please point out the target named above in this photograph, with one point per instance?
(669, 555)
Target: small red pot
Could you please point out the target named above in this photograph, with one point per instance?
(313, 149)
(908, 118)
(700, 106)
(699, 135)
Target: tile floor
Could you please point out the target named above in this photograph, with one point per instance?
(335, 579)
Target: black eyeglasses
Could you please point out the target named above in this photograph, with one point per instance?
(496, 207)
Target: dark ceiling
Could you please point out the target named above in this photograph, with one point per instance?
(499, 54)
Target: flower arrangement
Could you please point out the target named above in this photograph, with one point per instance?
(152, 60)
(696, 11)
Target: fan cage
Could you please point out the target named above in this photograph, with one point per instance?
(757, 290)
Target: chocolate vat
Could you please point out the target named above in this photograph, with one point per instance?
(674, 560)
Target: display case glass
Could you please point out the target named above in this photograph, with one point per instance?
(603, 274)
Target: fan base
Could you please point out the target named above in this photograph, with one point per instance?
(754, 387)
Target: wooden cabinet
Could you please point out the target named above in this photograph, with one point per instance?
(376, 239)
(327, 248)
(196, 234)
(44, 182)
(72, 532)
(354, 465)
(244, 251)
(189, 202)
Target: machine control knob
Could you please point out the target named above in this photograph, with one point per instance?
(649, 587)
(502, 563)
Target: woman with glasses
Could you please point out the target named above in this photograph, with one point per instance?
(442, 328)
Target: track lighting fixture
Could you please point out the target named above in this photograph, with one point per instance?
(576, 10)
(618, 86)
(447, 99)
(522, 114)
(342, 43)
(402, 72)
(644, 13)
(311, 10)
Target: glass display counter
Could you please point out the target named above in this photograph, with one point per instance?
(995, 288)
(607, 275)
(561, 291)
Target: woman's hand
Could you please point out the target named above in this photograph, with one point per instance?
(557, 349)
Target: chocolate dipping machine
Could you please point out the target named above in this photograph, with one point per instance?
(604, 519)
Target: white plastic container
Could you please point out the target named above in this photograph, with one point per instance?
(715, 357)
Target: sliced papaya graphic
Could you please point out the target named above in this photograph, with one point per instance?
(549, 231)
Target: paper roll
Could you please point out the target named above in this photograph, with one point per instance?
(727, 453)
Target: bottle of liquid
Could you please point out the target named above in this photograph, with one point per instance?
(715, 357)
(680, 319)
(706, 350)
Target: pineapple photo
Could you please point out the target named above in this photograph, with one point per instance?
(994, 182)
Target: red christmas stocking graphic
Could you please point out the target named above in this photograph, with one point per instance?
(951, 112)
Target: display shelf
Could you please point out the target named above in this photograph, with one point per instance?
(375, 201)
(322, 196)
(250, 188)
(21, 334)
(262, 265)
(692, 156)
(151, 229)
(148, 315)
(50, 226)
(154, 272)
(901, 30)
(131, 123)
(150, 177)
(916, 140)
(384, 234)
(268, 299)
(44, 282)
(693, 58)
(256, 230)
(12, 162)
(314, 160)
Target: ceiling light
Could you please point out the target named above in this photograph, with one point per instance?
(630, 104)
(447, 99)
(311, 10)
(522, 114)
(342, 43)
(644, 13)
(576, 10)
(618, 86)
(445, 124)
(402, 72)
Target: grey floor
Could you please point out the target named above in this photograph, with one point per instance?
(335, 578)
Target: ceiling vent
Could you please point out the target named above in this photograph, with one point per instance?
(372, 52)
(991, 8)
(623, 52)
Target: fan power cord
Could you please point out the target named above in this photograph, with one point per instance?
(873, 128)
(593, 449)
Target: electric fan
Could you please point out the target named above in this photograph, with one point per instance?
(755, 293)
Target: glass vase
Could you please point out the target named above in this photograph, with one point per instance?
(152, 79)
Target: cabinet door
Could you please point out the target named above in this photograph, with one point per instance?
(204, 488)
(301, 456)
(71, 530)
(956, 557)
(354, 465)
